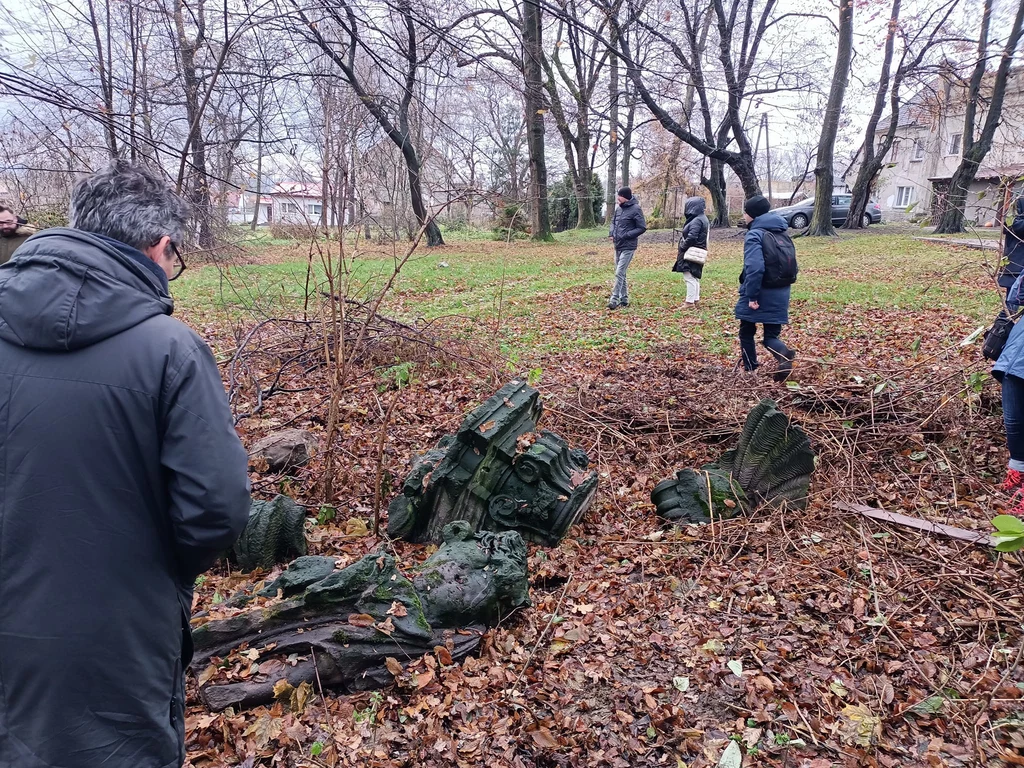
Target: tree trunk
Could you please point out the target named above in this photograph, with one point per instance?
(871, 163)
(106, 85)
(199, 186)
(821, 221)
(670, 166)
(613, 127)
(325, 165)
(534, 104)
(715, 184)
(584, 193)
(627, 141)
(419, 208)
(259, 168)
(953, 214)
(569, 145)
(351, 188)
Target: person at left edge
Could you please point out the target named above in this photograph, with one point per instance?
(123, 479)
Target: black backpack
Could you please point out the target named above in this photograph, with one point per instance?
(780, 266)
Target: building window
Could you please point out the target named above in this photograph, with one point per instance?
(315, 209)
(895, 150)
(289, 208)
(918, 152)
(904, 196)
(954, 144)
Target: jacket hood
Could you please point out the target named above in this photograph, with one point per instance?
(1020, 206)
(628, 203)
(67, 289)
(695, 206)
(770, 221)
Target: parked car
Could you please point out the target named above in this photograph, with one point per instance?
(798, 215)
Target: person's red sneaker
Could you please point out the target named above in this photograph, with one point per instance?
(1014, 481)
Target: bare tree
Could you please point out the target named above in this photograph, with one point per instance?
(580, 81)
(535, 107)
(977, 146)
(392, 115)
(916, 45)
(821, 220)
(740, 30)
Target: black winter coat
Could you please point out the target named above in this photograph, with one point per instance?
(122, 480)
(695, 235)
(1013, 249)
(628, 224)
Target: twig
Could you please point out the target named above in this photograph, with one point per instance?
(323, 699)
(540, 639)
(381, 439)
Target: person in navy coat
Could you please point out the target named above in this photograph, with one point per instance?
(756, 303)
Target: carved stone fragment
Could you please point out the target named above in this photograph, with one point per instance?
(771, 464)
(343, 624)
(496, 473)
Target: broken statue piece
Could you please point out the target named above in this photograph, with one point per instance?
(771, 464)
(275, 533)
(496, 473)
(343, 624)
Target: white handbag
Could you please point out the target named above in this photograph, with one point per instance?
(696, 255)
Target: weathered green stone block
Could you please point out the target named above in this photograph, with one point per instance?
(496, 474)
(274, 534)
(352, 619)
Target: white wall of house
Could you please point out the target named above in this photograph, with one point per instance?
(930, 149)
(297, 209)
(293, 208)
(242, 211)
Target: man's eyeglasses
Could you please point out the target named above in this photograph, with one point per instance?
(179, 263)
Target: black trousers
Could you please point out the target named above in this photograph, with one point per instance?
(771, 341)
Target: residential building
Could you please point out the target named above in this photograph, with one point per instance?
(929, 146)
(287, 202)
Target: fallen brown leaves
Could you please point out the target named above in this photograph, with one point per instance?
(815, 638)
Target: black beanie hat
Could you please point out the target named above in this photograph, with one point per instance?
(625, 193)
(756, 206)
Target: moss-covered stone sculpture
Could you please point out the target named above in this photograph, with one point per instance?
(343, 624)
(496, 474)
(771, 464)
(274, 534)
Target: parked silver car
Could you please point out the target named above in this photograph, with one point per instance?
(798, 215)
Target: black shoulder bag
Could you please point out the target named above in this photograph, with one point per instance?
(996, 336)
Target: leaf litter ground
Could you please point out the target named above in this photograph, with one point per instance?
(813, 638)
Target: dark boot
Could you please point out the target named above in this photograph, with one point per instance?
(783, 355)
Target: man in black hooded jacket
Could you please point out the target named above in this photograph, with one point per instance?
(122, 480)
(627, 225)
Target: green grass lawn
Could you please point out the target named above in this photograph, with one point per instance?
(545, 297)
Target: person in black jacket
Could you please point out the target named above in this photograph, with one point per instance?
(695, 235)
(123, 480)
(1013, 250)
(626, 227)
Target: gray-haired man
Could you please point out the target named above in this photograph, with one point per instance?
(123, 479)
